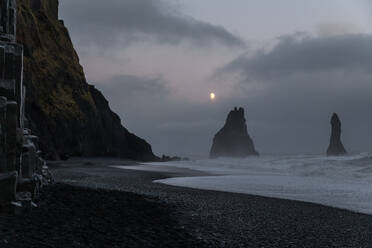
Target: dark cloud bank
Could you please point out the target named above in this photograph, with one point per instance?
(306, 55)
(126, 21)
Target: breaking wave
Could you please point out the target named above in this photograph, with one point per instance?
(344, 181)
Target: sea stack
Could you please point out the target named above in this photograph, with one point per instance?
(336, 147)
(233, 139)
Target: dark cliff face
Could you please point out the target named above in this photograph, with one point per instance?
(233, 139)
(70, 116)
(336, 147)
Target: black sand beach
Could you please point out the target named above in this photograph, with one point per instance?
(71, 216)
(109, 207)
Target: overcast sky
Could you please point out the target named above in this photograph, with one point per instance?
(289, 63)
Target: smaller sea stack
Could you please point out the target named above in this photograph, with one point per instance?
(336, 147)
(233, 139)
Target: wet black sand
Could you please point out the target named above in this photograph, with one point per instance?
(220, 219)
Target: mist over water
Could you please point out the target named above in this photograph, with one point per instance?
(344, 182)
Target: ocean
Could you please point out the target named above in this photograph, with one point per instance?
(342, 182)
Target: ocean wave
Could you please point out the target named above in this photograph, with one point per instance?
(344, 181)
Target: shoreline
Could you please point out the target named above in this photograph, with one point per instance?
(201, 180)
(228, 219)
(237, 220)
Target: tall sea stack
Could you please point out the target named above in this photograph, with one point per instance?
(233, 139)
(336, 147)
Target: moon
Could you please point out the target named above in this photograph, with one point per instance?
(212, 96)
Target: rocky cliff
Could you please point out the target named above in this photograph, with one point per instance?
(336, 147)
(233, 139)
(70, 116)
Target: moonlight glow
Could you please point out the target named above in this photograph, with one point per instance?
(212, 96)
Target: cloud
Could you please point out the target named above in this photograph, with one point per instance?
(337, 28)
(106, 22)
(296, 54)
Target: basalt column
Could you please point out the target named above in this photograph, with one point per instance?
(9, 111)
(16, 142)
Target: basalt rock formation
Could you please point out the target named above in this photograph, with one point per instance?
(336, 147)
(233, 139)
(23, 172)
(71, 117)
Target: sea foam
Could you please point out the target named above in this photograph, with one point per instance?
(343, 182)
